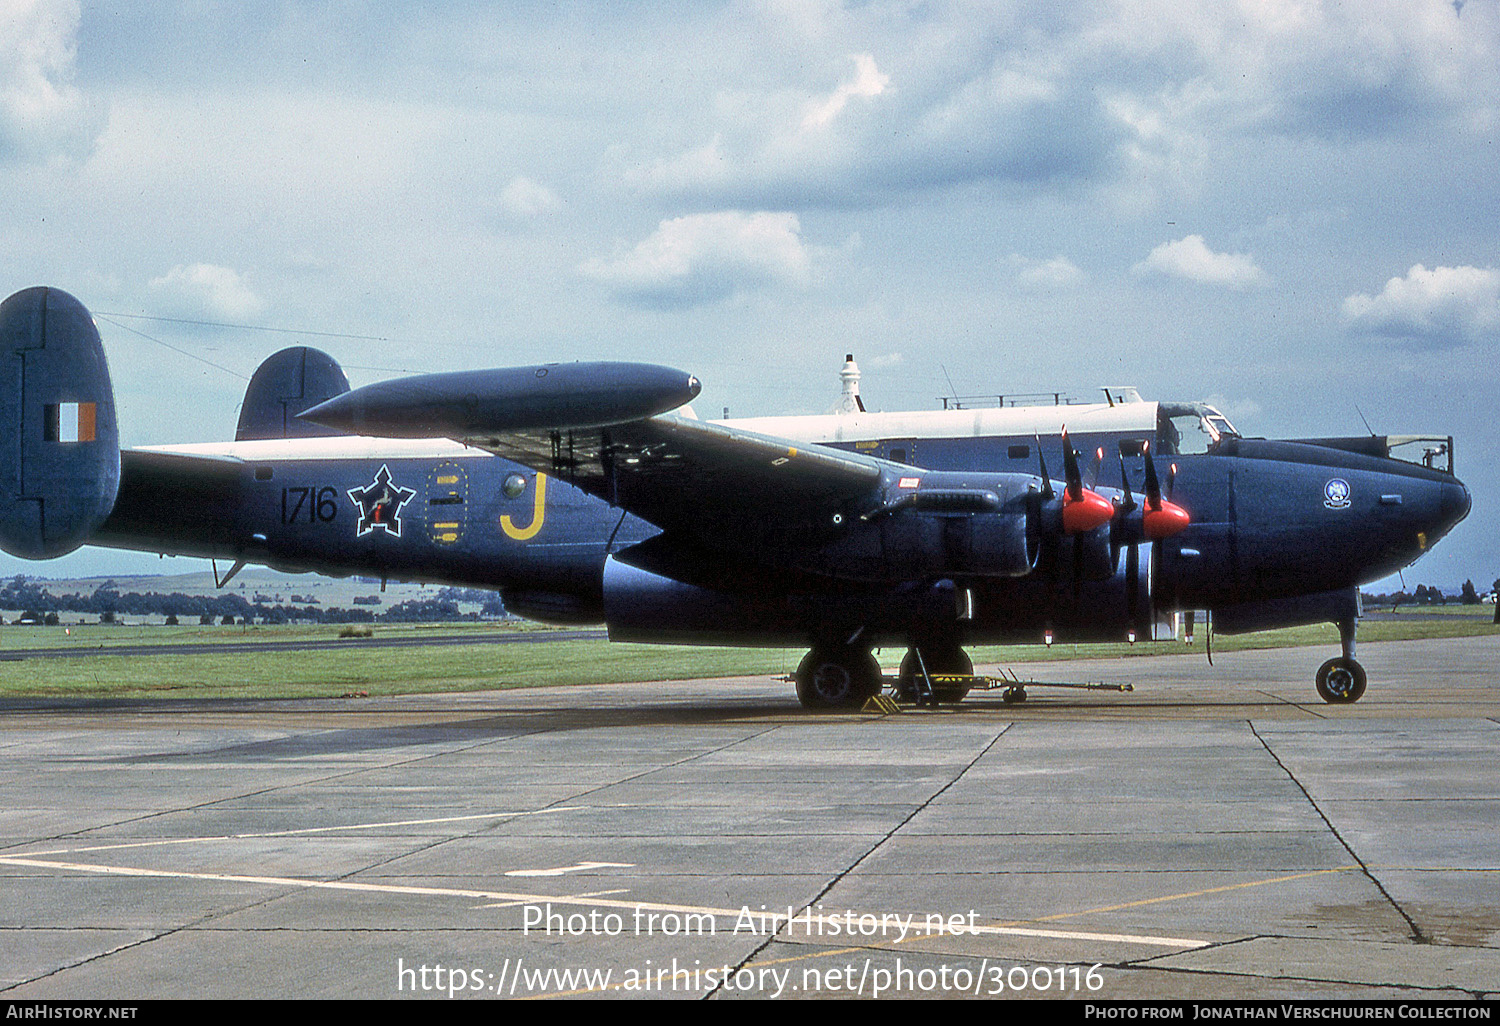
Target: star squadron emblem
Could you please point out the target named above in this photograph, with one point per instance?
(380, 504)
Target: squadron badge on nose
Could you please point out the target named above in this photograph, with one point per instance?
(1336, 494)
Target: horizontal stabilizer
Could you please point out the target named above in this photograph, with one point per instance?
(467, 404)
(60, 446)
(283, 386)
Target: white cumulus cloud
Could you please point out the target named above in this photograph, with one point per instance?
(42, 114)
(1057, 273)
(1190, 258)
(524, 199)
(868, 81)
(1439, 307)
(206, 291)
(701, 258)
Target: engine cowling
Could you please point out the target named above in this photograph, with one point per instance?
(60, 451)
(642, 605)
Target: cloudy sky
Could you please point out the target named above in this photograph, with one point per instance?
(1287, 207)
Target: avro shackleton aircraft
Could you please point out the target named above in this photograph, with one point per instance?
(588, 492)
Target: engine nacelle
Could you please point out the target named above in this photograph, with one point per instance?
(921, 544)
(60, 448)
(640, 605)
(953, 525)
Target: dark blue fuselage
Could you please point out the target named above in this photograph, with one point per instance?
(1270, 521)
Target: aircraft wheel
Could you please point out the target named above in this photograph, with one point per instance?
(830, 678)
(1012, 695)
(939, 661)
(1341, 681)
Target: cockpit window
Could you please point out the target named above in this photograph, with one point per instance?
(1188, 428)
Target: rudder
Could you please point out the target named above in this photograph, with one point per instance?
(60, 447)
(284, 385)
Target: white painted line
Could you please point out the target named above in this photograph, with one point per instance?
(579, 868)
(502, 896)
(585, 894)
(307, 830)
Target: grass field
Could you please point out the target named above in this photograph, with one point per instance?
(345, 669)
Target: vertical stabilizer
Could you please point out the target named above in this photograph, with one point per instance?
(287, 383)
(59, 444)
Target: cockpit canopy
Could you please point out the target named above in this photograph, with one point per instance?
(1188, 428)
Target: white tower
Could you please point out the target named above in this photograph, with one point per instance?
(849, 400)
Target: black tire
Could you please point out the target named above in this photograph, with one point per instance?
(952, 660)
(1341, 681)
(829, 678)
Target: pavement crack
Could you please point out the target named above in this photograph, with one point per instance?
(439, 842)
(832, 883)
(1300, 707)
(158, 813)
(1417, 935)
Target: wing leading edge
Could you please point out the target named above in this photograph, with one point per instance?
(684, 475)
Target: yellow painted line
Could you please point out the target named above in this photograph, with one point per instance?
(1010, 929)
(1188, 894)
(629, 906)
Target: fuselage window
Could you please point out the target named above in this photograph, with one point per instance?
(1019, 452)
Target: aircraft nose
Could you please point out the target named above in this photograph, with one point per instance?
(1455, 503)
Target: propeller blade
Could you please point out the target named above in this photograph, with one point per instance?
(1082, 510)
(1098, 465)
(1077, 567)
(1162, 518)
(1129, 504)
(1041, 459)
(1070, 468)
(1153, 485)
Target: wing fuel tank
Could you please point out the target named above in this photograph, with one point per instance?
(480, 403)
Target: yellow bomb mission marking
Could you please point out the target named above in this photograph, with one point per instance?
(538, 514)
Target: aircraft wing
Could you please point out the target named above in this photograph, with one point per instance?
(608, 429)
(681, 473)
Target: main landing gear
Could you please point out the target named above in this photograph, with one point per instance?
(837, 677)
(915, 685)
(1341, 680)
(834, 676)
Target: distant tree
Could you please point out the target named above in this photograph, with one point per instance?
(171, 620)
(1496, 591)
(1470, 597)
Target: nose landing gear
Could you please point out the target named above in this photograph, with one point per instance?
(1341, 680)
